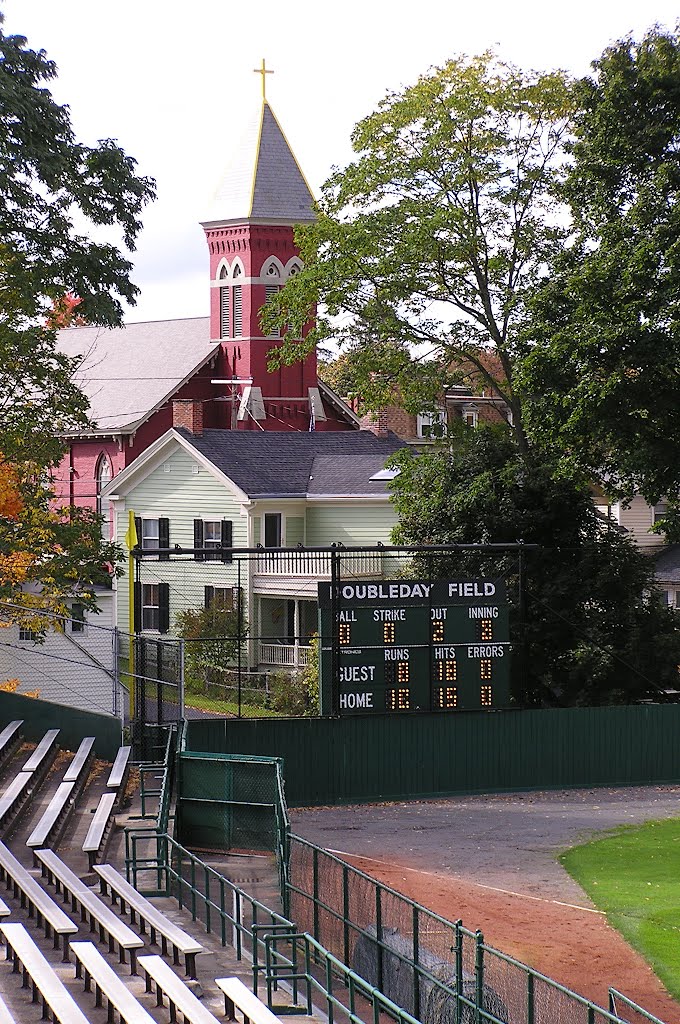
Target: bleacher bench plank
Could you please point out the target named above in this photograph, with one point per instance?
(237, 995)
(101, 918)
(82, 756)
(159, 973)
(4, 909)
(5, 1015)
(9, 737)
(53, 812)
(40, 904)
(119, 768)
(28, 959)
(17, 791)
(42, 751)
(140, 907)
(92, 967)
(95, 840)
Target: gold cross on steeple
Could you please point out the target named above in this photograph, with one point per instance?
(263, 71)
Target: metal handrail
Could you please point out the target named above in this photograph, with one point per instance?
(614, 994)
(222, 899)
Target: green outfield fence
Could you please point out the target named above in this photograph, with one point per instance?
(391, 757)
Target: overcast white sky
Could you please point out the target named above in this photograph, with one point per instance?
(174, 84)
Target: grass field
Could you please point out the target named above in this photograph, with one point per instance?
(633, 875)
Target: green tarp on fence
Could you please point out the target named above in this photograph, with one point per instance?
(350, 760)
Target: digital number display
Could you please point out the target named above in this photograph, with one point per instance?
(413, 645)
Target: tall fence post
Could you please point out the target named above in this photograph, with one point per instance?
(315, 891)
(416, 963)
(479, 976)
(182, 678)
(379, 935)
(335, 632)
(458, 934)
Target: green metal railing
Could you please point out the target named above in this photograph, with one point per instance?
(283, 833)
(225, 909)
(339, 990)
(165, 768)
(628, 1005)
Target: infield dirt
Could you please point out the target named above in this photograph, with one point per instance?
(492, 861)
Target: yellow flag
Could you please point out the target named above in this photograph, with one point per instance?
(131, 540)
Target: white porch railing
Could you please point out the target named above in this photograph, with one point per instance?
(284, 655)
(316, 564)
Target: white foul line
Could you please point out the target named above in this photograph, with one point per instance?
(480, 885)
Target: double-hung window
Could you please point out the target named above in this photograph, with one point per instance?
(150, 535)
(77, 617)
(223, 599)
(152, 607)
(153, 534)
(211, 538)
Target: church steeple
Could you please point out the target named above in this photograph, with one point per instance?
(263, 183)
(249, 231)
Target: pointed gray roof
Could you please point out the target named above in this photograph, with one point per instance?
(264, 182)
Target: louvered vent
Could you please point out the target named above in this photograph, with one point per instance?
(270, 291)
(238, 312)
(224, 312)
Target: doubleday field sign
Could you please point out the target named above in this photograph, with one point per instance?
(412, 645)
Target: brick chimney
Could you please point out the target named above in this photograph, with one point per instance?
(188, 413)
(377, 423)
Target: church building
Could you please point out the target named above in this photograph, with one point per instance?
(207, 372)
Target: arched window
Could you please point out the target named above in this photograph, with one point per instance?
(104, 475)
(224, 303)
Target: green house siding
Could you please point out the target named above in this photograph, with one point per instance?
(174, 490)
(350, 524)
(295, 531)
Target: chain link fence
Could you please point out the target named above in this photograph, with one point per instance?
(437, 970)
(251, 630)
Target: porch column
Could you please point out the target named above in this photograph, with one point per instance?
(296, 630)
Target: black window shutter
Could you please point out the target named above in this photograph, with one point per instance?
(227, 539)
(137, 611)
(163, 607)
(163, 538)
(138, 530)
(209, 595)
(198, 539)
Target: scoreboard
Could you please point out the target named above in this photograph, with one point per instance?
(414, 645)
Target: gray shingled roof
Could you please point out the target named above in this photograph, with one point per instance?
(127, 372)
(667, 565)
(290, 464)
(264, 181)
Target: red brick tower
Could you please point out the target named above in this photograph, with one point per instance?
(252, 254)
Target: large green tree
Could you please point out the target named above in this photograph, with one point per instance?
(592, 630)
(604, 363)
(68, 212)
(435, 250)
(430, 241)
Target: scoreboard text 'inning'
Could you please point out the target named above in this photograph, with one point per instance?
(414, 645)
